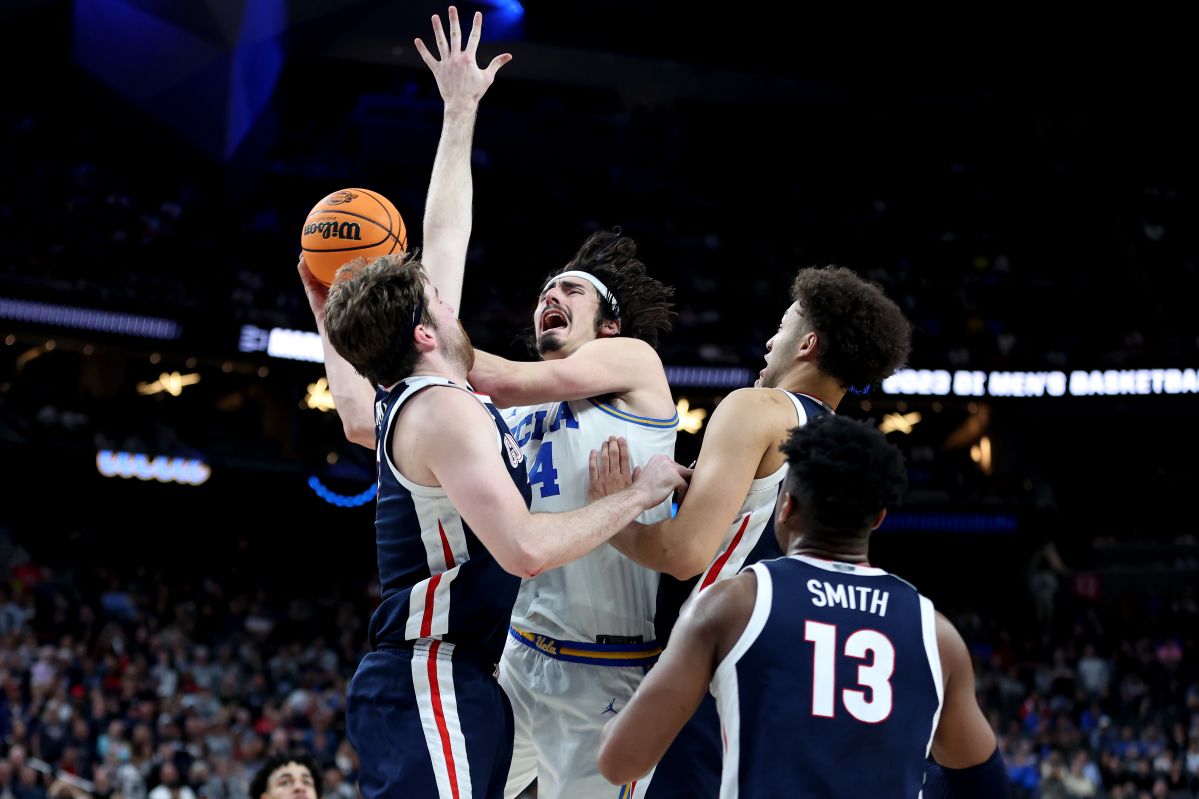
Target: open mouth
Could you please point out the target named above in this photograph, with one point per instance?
(553, 319)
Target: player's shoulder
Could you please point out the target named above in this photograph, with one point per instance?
(727, 599)
(623, 347)
(760, 405)
(446, 402)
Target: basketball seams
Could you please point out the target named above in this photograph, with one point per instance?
(351, 249)
(323, 246)
(381, 205)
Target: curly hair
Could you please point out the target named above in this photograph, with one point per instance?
(842, 473)
(258, 784)
(368, 316)
(864, 337)
(645, 307)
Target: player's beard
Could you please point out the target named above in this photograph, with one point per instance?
(550, 341)
(459, 349)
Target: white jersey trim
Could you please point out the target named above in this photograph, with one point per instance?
(840, 567)
(928, 626)
(434, 659)
(756, 623)
(725, 687)
(419, 489)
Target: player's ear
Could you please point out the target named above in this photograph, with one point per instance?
(882, 514)
(609, 328)
(425, 338)
(785, 510)
(808, 344)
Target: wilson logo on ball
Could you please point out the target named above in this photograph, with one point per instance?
(334, 230)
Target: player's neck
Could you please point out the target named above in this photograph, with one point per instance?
(843, 552)
(805, 378)
(435, 365)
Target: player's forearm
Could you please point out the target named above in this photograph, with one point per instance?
(623, 756)
(553, 539)
(448, 215)
(353, 395)
(663, 547)
(497, 377)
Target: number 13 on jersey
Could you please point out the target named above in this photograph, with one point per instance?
(866, 645)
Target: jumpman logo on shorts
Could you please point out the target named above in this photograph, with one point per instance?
(610, 708)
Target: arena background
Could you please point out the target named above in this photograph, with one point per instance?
(1025, 192)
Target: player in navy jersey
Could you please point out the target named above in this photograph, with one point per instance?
(454, 535)
(839, 331)
(581, 635)
(831, 677)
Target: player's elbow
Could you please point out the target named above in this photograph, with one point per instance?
(617, 767)
(686, 563)
(360, 434)
(523, 561)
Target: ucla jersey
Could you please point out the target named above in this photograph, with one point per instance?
(841, 662)
(436, 579)
(603, 593)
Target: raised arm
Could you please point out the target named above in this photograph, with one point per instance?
(451, 190)
(456, 439)
(604, 366)
(740, 432)
(353, 394)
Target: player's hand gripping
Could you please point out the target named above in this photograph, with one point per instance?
(317, 292)
(659, 478)
(458, 76)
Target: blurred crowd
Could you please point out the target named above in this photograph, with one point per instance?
(151, 684)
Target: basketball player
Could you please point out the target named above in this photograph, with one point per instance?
(839, 331)
(454, 536)
(582, 634)
(832, 677)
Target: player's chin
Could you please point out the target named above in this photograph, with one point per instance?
(550, 341)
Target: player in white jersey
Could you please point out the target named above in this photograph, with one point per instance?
(839, 331)
(581, 636)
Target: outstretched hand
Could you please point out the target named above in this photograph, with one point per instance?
(459, 78)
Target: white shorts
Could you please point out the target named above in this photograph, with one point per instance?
(559, 708)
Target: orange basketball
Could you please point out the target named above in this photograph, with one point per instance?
(349, 224)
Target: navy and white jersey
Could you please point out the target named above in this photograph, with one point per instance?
(750, 536)
(834, 688)
(437, 580)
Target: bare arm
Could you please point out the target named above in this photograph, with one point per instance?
(450, 433)
(740, 433)
(604, 366)
(451, 190)
(963, 737)
(637, 737)
(353, 394)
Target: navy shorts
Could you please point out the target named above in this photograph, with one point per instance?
(690, 769)
(428, 722)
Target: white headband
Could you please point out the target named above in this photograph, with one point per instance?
(600, 288)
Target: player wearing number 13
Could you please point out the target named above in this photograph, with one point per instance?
(845, 666)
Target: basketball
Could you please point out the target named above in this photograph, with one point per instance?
(349, 224)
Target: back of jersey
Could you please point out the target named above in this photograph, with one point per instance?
(834, 688)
